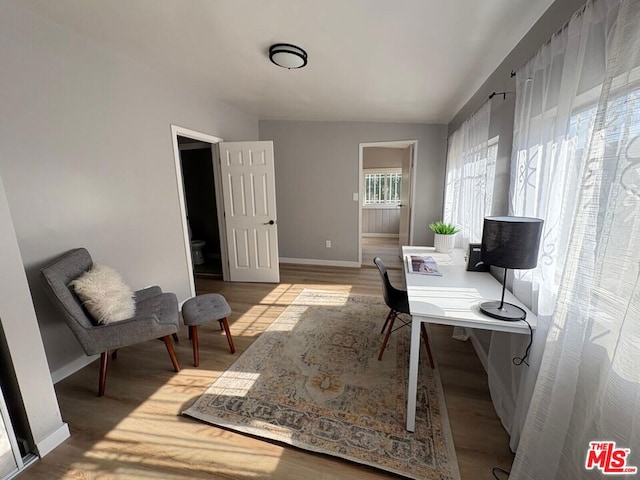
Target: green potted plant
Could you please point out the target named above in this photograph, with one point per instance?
(445, 235)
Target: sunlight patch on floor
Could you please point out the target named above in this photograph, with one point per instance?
(154, 438)
(256, 319)
(289, 323)
(234, 384)
(109, 461)
(285, 293)
(336, 299)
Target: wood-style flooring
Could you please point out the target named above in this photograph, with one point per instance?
(386, 248)
(136, 431)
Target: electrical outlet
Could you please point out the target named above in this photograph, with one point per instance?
(327, 243)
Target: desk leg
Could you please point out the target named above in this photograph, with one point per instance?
(412, 390)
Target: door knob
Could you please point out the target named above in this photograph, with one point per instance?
(270, 222)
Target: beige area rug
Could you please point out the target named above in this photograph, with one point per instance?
(312, 380)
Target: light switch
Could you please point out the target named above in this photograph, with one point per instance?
(355, 197)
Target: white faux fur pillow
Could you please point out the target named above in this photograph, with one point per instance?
(104, 293)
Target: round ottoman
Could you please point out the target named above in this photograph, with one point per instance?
(202, 309)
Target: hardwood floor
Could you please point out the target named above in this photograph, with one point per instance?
(386, 248)
(136, 430)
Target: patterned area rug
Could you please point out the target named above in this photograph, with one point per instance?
(312, 380)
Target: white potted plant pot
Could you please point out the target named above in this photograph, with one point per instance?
(444, 243)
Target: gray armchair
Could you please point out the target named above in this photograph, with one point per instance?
(156, 313)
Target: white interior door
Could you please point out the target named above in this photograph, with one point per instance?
(405, 198)
(248, 188)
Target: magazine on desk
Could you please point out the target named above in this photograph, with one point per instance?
(424, 265)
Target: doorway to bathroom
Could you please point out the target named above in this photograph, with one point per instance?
(201, 209)
(244, 210)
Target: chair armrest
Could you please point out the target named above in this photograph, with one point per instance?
(147, 292)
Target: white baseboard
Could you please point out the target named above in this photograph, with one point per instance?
(381, 235)
(328, 263)
(482, 355)
(70, 368)
(53, 440)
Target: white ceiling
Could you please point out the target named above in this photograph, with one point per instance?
(369, 60)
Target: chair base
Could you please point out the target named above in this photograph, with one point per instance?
(104, 363)
(391, 318)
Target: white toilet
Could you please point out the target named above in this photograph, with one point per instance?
(197, 258)
(196, 251)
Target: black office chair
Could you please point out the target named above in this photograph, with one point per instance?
(398, 302)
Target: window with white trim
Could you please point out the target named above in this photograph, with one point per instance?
(382, 187)
(470, 174)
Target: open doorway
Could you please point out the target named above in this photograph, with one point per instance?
(196, 160)
(386, 200)
(186, 140)
(247, 233)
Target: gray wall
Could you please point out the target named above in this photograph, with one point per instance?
(87, 160)
(554, 18)
(383, 157)
(23, 338)
(316, 165)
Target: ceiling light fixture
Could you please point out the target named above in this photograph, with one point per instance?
(287, 56)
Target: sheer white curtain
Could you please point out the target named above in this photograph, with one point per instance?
(589, 382)
(469, 178)
(557, 95)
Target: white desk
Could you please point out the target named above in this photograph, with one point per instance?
(451, 299)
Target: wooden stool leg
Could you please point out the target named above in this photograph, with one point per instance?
(386, 337)
(104, 361)
(425, 337)
(224, 323)
(114, 354)
(193, 334)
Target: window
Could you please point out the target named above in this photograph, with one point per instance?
(382, 187)
(470, 174)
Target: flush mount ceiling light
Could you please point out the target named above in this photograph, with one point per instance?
(287, 56)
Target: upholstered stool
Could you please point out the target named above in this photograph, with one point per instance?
(205, 308)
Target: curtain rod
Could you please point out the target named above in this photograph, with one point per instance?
(576, 14)
(504, 95)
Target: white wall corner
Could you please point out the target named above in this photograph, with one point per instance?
(52, 440)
